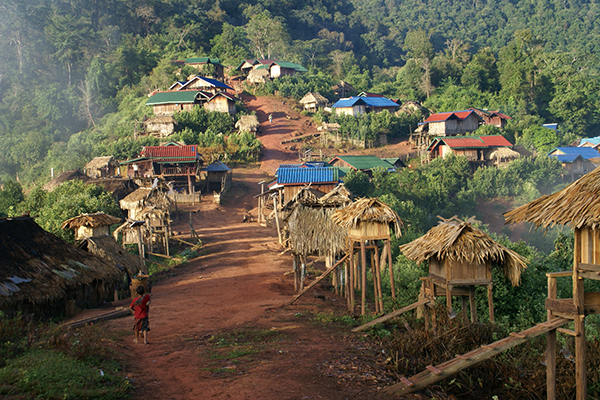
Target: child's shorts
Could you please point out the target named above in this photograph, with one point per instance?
(141, 325)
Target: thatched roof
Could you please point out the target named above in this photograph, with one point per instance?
(367, 210)
(91, 220)
(343, 85)
(307, 196)
(107, 248)
(162, 119)
(119, 187)
(39, 271)
(503, 153)
(101, 162)
(460, 241)
(314, 98)
(65, 176)
(312, 231)
(577, 206)
(247, 123)
(145, 196)
(338, 197)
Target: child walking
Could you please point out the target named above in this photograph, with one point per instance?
(140, 306)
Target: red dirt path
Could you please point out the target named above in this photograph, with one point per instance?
(239, 284)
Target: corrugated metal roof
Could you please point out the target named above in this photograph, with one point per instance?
(209, 81)
(585, 152)
(379, 102)
(594, 141)
(364, 162)
(217, 166)
(202, 60)
(187, 151)
(566, 158)
(179, 97)
(369, 94)
(463, 142)
(444, 116)
(495, 141)
(291, 65)
(290, 176)
(349, 102)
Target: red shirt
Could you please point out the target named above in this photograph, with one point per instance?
(141, 310)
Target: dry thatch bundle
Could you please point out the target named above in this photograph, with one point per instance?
(503, 153)
(40, 272)
(90, 220)
(145, 196)
(314, 98)
(367, 210)
(313, 232)
(460, 241)
(119, 187)
(338, 197)
(65, 176)
(247, 123)
(101, 162)
(576, 206)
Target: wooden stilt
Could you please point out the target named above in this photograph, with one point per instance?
(472, 304)
(388, 244)
(463, 309)
(351, 280)
(302, 271)
(378, 273)
(490, 301)
(296, 272)
(376, 293)
(551, 346)
(578, 295)
(449, 299)
(363, 257)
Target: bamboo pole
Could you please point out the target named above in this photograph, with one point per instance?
(376, 293)
(363, 256)
(276, 219)
(378, 270)
(578, 295)
(551, 345)
(389, 252)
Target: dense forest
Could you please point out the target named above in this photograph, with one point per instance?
(74, 75)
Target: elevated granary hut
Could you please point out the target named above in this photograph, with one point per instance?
(578, 207)
(368, 220)
(102, 167)
(461, 256)
(41, 275)
(313, 101)
(90, 225)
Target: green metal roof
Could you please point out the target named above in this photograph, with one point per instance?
(365, 162)
(202, 60)
(183, 96)
(291, 65)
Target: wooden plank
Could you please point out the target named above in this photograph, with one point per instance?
(406, 382)
(589, 267)
(391, 315)
(561, 274)
(567, 332)
(319, 279)
(103, 317)
(455, 365)
(469, 282)
(589, 275)
(563, 306)
(434, 370)
(518, 335)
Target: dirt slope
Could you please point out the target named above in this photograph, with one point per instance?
(237, 288)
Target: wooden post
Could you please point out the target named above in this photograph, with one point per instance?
(363, 256)
(141, 250)
(551, 346)
(449, 298)
(276, 218)
(350, 279)
(578, 294)
(376, 293)
(378, 273)
(490, 294)
(302, 271)
(472, 304)
(463, 309)
(388, 243)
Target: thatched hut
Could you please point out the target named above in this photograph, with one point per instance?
(258, 76)
(161, 126)
(90, 225)
(43, 276)
(150, 205)
(368, 220)
(578, 207)
(314, 101)
(107, 248)
(502, 156)
(311, 231)
(247, 123)
(461, 256)
(343, 89)
(102, 167)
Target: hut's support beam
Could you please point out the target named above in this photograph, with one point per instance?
(378, 273)
(363, 257)
(449, 299)
(463, 309)
(472, 304)
(277, 219)
(388, 244)
(350, 282)
(551, 346)
(490, 301)
(578, 294)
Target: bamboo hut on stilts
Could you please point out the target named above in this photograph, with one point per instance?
(368, 222)
(311, 232)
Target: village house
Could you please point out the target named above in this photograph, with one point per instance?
(173, 161)
(452, 123)
(474, 148)
(343, 89)
(274, 68)
(201, 83)
(43, 276)
(576, 161)
(291, 178)
(90, 225)
(495, 118)
(207, 64)
(313, 101)
(359, 105)
(218, 176)
(168, 103)
(102, 167)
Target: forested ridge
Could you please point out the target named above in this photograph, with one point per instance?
(74, 75)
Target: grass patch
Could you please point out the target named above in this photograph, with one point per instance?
(52, 374)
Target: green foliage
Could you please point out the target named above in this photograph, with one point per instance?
(358, 183)
(11, 194)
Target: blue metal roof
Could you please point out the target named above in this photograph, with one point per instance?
(594, 141)
(288, 176)
(379, 102)
(566, 158)
(350, 102)
(585, 152)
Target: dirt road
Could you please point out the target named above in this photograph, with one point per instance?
(217, 329)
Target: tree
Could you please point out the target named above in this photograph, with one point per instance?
(417, 45)
(267, 34)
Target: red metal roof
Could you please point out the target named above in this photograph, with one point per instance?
(186, 151)
(496, 140)
(457, 143)
(444, 116)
